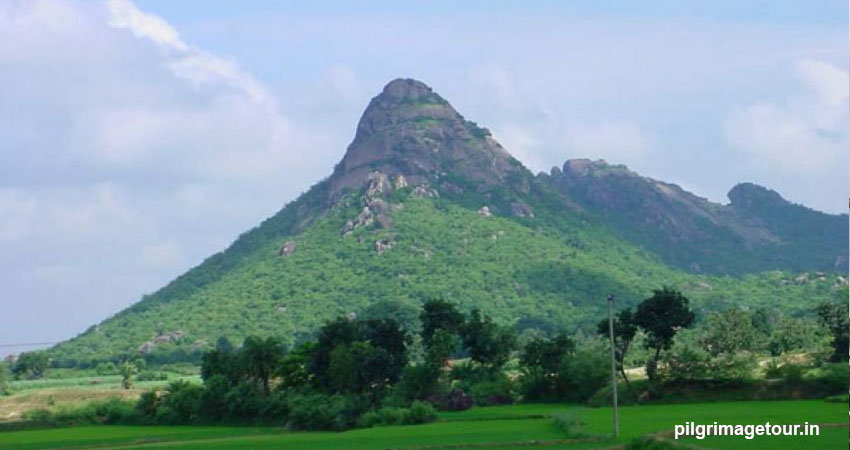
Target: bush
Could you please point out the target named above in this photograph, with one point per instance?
(106, 368)
(582, 374)
(383, 417)
(421, 412)
(181, 404)
(535, 385)
(418, 382)
(313, 411)
(566, 422)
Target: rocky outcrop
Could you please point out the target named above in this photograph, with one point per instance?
(484, 211)
(383, 245)
(287, 249)
(415, 137)
(520, 209)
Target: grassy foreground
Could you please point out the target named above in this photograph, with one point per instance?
(517, 426)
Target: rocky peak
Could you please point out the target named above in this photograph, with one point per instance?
(747, 196)
(409, 130)
(586, 167)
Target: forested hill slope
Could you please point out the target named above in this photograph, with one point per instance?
(425, 204)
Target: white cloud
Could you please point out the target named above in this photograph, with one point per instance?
(807, 134)
(127, 151)
(124, 14)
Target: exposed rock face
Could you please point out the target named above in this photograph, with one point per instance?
(383, 245)
(423, 191)
(287, 249)
(520, 209)
(689, 231)
(414, 136)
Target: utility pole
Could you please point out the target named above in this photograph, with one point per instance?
(613, 364)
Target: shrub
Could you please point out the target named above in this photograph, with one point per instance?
(420, 412)
(382, 417)
(582, 374)
(106, 368)
(181, 404)
(313, 411)
(566, 422)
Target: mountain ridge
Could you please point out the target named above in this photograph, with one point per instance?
(426, 204)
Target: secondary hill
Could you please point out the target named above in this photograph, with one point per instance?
(427, 204)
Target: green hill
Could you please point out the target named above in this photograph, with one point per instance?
(426, 204)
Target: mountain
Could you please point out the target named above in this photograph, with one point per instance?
(426, 204)
(758, 230)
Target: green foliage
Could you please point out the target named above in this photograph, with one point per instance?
(661, 317)
(4, 380)
(566, 422)
(486, 342)
(31, 364)
(418, 413)
(259, 359)
(549, 272)
(730, 331)
(583, 373)
(624, 333)
(128, 371)
(834, 317)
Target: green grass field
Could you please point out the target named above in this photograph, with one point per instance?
(516, 426)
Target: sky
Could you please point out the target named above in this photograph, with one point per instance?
(138, 138)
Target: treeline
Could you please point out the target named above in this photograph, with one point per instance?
(385, 368)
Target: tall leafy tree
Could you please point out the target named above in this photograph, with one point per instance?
(729, 331)
(661, 317)
(834, 317)
(487, 342)
(439, 315)
(31, 364)
(260, 358)
(624, 333)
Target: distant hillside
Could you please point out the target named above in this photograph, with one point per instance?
(425, 204)
(757, 231)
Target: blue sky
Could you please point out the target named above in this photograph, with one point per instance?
(138, 138)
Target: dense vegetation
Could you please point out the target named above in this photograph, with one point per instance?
(529, 273)
(376, 371)
(508, 427)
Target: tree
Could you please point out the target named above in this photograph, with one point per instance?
(331, 335)
(293, 368)
(220, 362)
(128, 370)
(542, 364)
(488, 343)
(624, 333)
(794, 333)
(4, 380)
(31, 364)
(403, 312)
(834, 317)
(260, 358)
(729, 331)
(661, 317)
(439, 315)
(547, 354)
